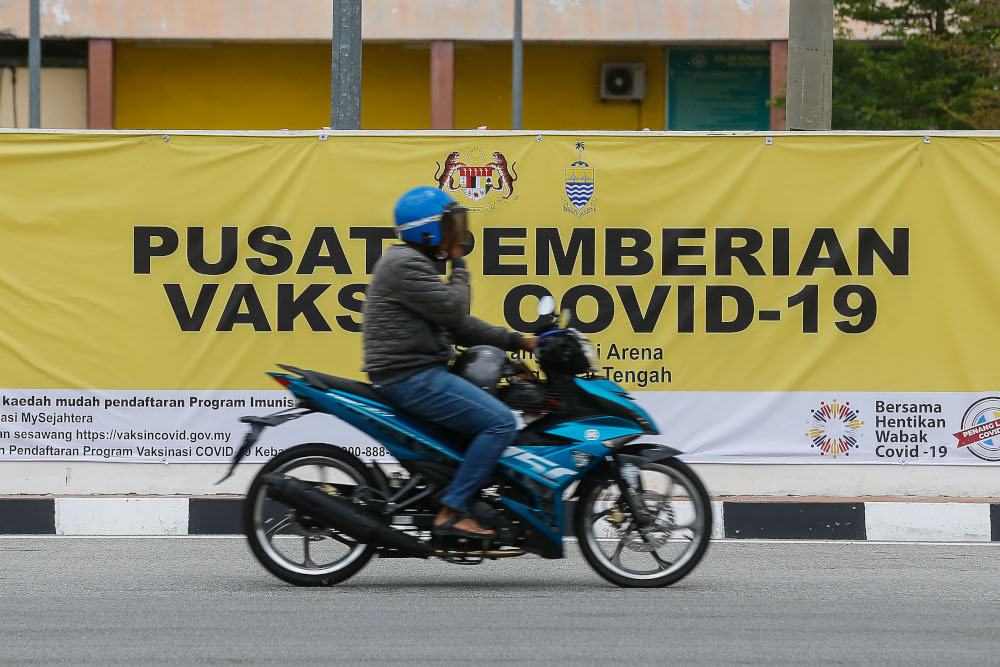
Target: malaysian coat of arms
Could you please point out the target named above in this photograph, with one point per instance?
(580, 199)
(484, 182)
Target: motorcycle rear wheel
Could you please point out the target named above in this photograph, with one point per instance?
(603, 523)
(276, 533)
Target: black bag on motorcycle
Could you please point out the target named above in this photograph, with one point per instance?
(561, 353)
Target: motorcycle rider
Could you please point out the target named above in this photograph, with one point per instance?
(412, 319)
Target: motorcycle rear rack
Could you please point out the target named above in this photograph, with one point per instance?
(257, 426)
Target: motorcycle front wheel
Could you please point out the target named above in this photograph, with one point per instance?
(291, 545)
(663, 552)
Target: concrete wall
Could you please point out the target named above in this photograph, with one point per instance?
(571, 20)
(839, 481)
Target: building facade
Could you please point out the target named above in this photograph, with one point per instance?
(426, 64)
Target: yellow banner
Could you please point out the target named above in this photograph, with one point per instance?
(822, 263)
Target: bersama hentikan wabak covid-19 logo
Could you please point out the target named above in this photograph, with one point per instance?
(835, 428)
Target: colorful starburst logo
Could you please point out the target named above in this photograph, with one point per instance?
(835, 428)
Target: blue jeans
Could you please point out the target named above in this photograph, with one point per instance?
(440, 397)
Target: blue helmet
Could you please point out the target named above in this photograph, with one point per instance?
(418, 215)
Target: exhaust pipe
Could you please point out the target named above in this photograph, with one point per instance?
(339, 514)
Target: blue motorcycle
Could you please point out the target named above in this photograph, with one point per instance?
(316, 514)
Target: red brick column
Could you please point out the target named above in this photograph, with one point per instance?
(442, 85)
(779, 80)
(101, 84)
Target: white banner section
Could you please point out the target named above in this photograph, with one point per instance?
(709, 427)
(158, 426)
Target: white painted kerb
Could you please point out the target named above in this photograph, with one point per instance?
(908, 522)
(121, 516)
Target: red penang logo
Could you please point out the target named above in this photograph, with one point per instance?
(981, 429)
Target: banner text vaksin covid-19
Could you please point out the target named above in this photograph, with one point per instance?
(626, 254)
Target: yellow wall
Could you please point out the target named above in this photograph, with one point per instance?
(263, 86)
(561, 88)
(274, 86)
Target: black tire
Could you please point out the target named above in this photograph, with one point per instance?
(250, 522)
(598, 562)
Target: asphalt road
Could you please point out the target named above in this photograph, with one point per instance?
(187, 601)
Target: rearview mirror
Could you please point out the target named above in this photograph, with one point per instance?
(546, 305)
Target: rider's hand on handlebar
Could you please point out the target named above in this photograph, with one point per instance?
(528, 344)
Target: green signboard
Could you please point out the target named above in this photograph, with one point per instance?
(719, 90)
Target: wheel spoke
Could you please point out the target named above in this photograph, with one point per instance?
(644, 536)
(662, 563)
(662, 514)
(277, 534)
(618, 552)
(307, 560)
(277, 526)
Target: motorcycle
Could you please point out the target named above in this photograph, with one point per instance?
(315, 514)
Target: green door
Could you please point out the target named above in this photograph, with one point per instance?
(719, 90)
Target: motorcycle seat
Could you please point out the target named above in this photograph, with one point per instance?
(325, 382)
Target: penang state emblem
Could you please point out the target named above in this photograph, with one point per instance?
(835, 428)
(580, 198)
(484, 182)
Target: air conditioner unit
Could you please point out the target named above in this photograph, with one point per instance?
(623, 81)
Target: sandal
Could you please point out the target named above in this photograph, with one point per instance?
(448, 528)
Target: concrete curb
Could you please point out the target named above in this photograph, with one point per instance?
(792, 519)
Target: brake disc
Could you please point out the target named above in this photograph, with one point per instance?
(656, 535)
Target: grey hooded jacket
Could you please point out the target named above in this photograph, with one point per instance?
(412, 317)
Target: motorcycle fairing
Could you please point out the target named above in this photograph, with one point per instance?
(595, 428)
(611, 391)
(401, 435)
(544, 473)
(568, 449)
